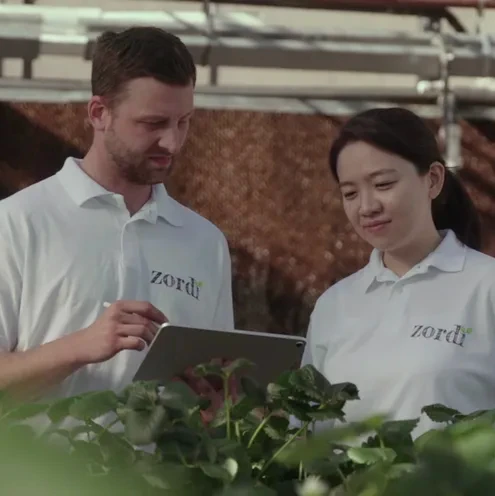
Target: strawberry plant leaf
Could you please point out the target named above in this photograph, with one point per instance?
(328, 413)
(25, 411)
(60, 410)
(237, 365)
(116, 451)
(320, 445)
(253, 391)
(179, 396)
(249, 489)
(440, 413)
(276, 428)
(344, 391)
(142, 397)
(398, 429)
(309, 381)
(88, 450)
(369, 456)
(93, 405)
(145, 426)
(206, 369)
(216, 472)
(327, 467)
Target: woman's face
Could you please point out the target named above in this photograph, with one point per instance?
(387, 202)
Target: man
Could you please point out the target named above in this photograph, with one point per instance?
(93, 258)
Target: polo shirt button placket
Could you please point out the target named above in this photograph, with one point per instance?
(395, 307)
(129, 262)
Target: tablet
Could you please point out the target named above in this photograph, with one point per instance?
(174, 349)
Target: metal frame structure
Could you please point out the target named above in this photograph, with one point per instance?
(362, 5)
(241, 40)
(237, 39)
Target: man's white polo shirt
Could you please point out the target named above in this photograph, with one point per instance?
(68, 245)
(427, 337)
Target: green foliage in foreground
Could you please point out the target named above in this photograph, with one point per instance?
(158, 444)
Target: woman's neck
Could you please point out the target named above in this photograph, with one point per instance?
(402, 260)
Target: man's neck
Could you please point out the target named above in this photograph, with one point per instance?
(98, 168)
(402, 261)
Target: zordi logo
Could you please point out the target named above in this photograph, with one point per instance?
(189, 286)
(454, 336)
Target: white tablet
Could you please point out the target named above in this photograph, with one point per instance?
(174, 349)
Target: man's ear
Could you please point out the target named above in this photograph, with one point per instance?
(98, 113)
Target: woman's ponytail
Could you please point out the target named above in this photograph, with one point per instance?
(454, 209)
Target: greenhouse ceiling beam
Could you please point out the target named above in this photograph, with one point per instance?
(365, 5)
(90, 20)
(242, 40)
(340, 102)
(425, 8)
(59, 90)
(346, 52)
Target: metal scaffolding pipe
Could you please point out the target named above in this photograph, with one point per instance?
(382, 5)
(241, 40)
(336, 102)
(410, 4)
(75, 90)
(465, 95)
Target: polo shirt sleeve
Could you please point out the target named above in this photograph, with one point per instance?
(224, 312)
(314, 354)
(307, 358)
(316, 344)
(10, 283)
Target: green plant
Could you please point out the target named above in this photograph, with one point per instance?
(261, 444)
(457, 460)
(239, 450)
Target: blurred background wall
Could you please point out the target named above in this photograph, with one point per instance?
(256, 160)
(263, 178)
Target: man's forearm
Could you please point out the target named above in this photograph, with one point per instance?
(29, 374)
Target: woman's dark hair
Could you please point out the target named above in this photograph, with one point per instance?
(403, 133)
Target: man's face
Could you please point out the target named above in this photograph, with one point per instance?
(147, 128)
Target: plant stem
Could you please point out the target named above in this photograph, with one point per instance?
(342, 476)
(238, 431)
(300, 477)
(282, 448)
(107, 428)
(226, 405)
(182, 458)
(259, 429)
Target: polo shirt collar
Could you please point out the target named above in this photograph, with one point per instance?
(166, 208)
(449, 256)
(81, 188)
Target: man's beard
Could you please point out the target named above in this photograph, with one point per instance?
(132, 165)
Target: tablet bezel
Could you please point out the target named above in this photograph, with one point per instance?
(163, 364)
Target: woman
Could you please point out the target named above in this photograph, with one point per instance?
(416, 326)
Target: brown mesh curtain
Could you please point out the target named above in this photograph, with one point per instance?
(263, 179)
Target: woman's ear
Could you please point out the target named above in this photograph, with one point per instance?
(436, 179)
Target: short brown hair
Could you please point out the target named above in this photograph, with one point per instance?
(138, 52)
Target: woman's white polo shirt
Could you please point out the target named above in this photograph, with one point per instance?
(427, 337)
